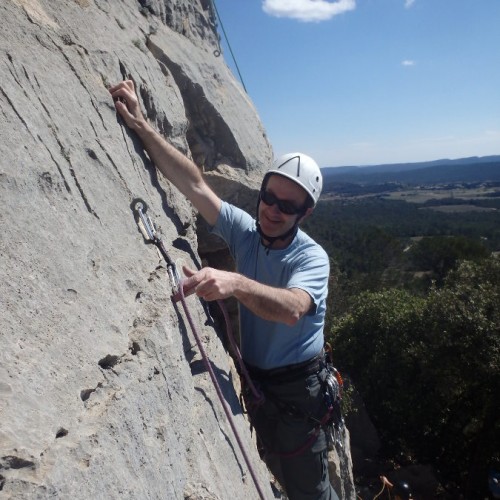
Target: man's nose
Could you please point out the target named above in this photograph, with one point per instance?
(275, 209)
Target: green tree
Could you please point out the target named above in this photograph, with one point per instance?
(440, 254)
(428, 369)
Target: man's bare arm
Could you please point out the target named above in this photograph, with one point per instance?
(175, 166)
(281, 305)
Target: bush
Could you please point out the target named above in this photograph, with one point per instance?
(428, 369)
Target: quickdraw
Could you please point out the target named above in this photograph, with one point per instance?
(148, 230)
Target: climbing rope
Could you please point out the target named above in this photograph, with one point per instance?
(217, 52)
(218, 389)
(258, 395)
(149, 232)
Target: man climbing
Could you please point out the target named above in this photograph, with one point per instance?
(281, 287)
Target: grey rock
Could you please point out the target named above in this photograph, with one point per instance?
(103, 393)
(340, 468)
(365, 442)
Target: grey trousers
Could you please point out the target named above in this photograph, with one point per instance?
(294, 455)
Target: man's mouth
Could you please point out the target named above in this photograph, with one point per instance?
(272, 220)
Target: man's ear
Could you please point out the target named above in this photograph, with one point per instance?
(309, 211)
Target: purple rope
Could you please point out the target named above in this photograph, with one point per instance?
(258, 395)
(217, 387)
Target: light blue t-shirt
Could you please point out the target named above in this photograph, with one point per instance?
(303, 264)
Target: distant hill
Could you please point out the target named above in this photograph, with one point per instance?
(474, 169)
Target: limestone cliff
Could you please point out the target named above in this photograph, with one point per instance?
(102, 390)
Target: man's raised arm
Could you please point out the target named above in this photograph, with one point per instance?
(176, 167)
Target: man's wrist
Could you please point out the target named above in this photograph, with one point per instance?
(142, 127)
(239, 289)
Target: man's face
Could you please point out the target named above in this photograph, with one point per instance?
(272, 221)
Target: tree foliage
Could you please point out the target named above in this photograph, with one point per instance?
(372, 244)
(428, 368)
(440, 254)
(417, 328)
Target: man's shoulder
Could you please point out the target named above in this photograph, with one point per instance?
(230, 208)
(306, 243)
(235, 226)
(232, 214)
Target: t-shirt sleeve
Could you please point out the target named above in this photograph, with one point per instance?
(233, 226)
(311, 275)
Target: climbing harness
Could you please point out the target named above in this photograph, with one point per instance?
(332, 421)
(179, 294)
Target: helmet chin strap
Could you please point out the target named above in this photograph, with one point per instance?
(272, 239)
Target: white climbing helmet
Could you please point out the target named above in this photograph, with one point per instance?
(301, 169)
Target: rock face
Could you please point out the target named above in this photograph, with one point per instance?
(103, 393)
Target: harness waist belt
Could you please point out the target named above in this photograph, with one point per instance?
(287, 373)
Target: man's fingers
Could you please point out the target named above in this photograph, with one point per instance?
(204, 282)
(124, 111)
(128, 84)
(121, 107)
(114, 88)
(124, 92)
(188, 271)
(191, 282)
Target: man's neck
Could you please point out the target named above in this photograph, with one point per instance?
(278, 244)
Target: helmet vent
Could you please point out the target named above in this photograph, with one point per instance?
(290, 159)
(301, 169)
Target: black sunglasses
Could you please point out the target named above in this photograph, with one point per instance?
(284, 206)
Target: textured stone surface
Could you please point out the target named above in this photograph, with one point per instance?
(103, 393)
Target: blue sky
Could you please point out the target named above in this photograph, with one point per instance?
(364, 82)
